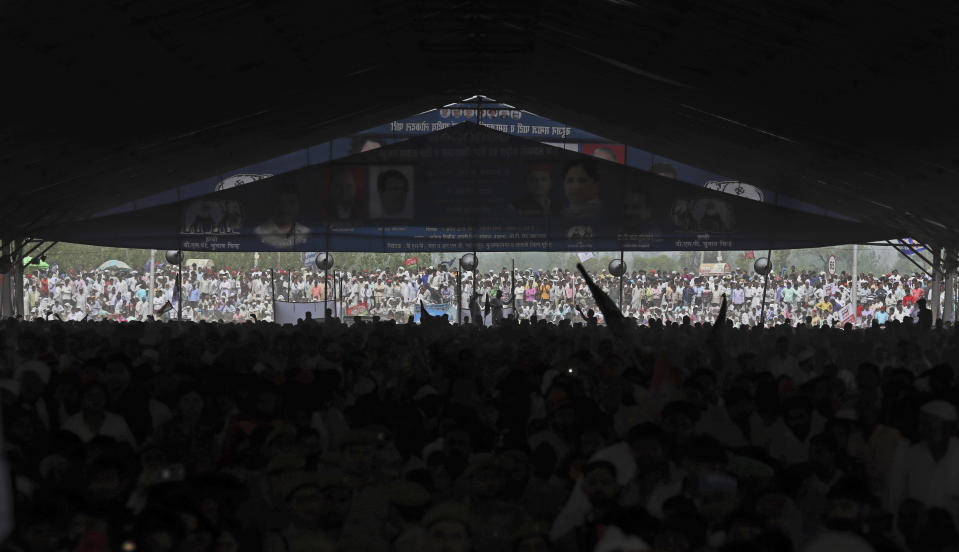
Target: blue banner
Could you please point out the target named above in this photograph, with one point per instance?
(437, 310)
(484, 112)
(914, 246)
(466, 188)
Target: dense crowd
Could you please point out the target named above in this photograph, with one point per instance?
(792, 296)
(123, 295)
(524, 436)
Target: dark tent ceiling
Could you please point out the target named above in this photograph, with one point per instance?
(848, 105)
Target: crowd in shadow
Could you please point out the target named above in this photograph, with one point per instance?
(526, 436)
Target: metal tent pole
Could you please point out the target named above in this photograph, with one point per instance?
(854, 293)
(762, 311)
(5, 300)
(326, 275)
(934, 304)
(949, 264)
(512, 287)
(18, 282)
(32, 249)
(621, 282)
(273, 295)
(179, 285)
(153, 273)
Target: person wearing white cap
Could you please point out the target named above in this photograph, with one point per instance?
(929, 470)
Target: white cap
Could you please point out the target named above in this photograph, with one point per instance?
(940, 409)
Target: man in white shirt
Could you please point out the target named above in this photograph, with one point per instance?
(792, 446)
(409, 291)
(782, 363)
(818, 294)
(94, 421)
(145, 309)
(929, 470)
(738, 297)
(258, 287)
(77, 315)
(226, 285)
(354, 293)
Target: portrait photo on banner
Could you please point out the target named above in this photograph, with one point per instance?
(281, 226)
(539, 198)
(344, 194)
(581, 188)
(208, 216)
(392, 192)
(610, 152)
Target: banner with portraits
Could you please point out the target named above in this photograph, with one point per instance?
(466, 188)
(478, 110)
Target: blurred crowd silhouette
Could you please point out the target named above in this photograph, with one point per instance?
(526, 436)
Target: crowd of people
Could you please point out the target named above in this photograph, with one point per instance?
(121, 295)
(527, 435)
(792, 296)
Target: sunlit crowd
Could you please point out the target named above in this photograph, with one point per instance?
(241, 295)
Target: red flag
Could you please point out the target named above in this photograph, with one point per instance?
(358, 310)
(411, 261)
(750, 255)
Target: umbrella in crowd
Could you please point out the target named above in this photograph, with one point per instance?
(114, 265)
(29, 262)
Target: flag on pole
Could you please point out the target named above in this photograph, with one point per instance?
(847, 314)
(361, 309)
(916, 246)
(411, 261)
(583, 257)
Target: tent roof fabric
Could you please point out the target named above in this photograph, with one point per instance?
(847, 108)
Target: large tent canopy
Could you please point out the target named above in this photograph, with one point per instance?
(844, 105)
